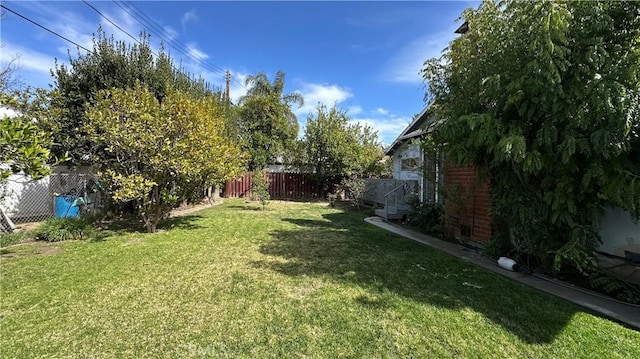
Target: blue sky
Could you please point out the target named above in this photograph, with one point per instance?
(364, 56)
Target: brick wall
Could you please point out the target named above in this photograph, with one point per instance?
(467, 204)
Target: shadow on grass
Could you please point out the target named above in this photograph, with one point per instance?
(253, 206)
(134, 225)
(300, 199)
(347, 249)
(183, 222)
(6, 251)
(98, 232)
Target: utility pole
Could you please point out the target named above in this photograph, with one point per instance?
(227, 78)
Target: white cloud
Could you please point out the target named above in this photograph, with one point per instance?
(123, 19)
(188, 16)
(27, 59)
(388, 127)
(81, 28)
(405, 65)
(67, 23)
(354, 110)
(236, 87)
(79, 31)
(170, 32)
(195, 53)
(387, 124)
(320, 93)
(381, 111)
(133, 27)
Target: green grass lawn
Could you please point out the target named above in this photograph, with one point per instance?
(297, 280)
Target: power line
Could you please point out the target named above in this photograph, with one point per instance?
(185, 52)
(147, 21)
(111, 22)
(177, 45)
(43, 27)
(140, 15)
(124, 31)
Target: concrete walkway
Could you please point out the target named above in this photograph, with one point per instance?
(620, 312)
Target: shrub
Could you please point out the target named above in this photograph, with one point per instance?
(354, 191)
(260, 188)
(615, 287)
(62, 229)
(429, 217)
(554, 153)
(494, 248)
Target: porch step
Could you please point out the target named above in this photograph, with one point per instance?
(395, 214)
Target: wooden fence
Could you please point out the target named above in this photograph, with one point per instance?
(281, 186)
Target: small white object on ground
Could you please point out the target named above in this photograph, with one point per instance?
(508, 264)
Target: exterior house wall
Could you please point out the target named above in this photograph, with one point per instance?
(619, 232)
(468, 207)
(408, 155)
(25, 198)
(21, 195)
(620, 236)
(467, 204)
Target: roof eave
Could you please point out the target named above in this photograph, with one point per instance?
(407, 133)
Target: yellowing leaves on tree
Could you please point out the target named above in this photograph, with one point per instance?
(160, 153)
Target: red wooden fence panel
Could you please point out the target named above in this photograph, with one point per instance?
(281, 186)
(239, 187)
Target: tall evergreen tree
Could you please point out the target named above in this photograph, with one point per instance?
(111, 64)
(268, 126)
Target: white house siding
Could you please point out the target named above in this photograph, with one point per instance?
(23, 199)
(619, 233)
(27, 200)
(620, 237)
(410, 151)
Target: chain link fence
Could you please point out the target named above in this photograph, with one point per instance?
(58, 195)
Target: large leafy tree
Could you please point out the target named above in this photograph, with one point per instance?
(111, 64)
(24, 146)
(544, 97)
(267, 125)
(158, 153)
(333, 148)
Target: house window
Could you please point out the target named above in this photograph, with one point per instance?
(432, 176)
(409, 164)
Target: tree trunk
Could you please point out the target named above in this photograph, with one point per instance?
(151, 227)
(151, 222)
